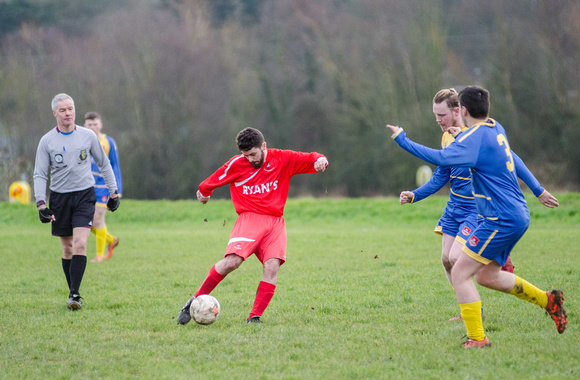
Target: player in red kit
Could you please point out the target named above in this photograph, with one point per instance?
(259, 180)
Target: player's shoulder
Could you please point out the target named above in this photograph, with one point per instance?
(108, 139)
(446, 139)
(237, 160)
(52, 132)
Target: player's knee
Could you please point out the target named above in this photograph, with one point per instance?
(447, 264)
(484, 278)
(232, 262)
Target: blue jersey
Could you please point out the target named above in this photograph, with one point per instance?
(461, 197)
(485, 150)
(110, 148)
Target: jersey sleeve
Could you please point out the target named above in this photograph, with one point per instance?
(223, 176)
(303, 163)
(440, 178)
(41, 170)
(526, 175)
(114, 160)
(462, 153)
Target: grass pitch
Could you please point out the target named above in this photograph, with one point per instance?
(362, 295)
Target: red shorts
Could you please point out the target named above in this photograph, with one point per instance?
(263, 235)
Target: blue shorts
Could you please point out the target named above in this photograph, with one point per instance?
(492, 241)
(102, 194)
(456, 222)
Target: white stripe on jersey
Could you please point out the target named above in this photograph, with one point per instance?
(247, 179)
(229, 166)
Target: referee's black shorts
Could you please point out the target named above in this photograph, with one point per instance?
(72, 210)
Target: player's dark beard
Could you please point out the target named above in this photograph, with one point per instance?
(259, 164)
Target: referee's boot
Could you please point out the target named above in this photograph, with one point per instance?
(74, 302)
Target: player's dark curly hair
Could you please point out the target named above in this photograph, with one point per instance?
(476, 100)
(249, 138)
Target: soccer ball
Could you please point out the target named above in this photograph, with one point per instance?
(204, 309)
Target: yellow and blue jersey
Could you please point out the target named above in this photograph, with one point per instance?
(461, 197)
(110, 148)
(484, 149)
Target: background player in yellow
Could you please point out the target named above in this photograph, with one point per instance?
(460, 217)
(93, 121)
(505, 217)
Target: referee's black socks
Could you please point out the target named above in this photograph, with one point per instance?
(77, 270)
(66, 270)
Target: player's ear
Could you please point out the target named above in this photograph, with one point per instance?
(264, 145)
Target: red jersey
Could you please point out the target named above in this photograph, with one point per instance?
(263, 190)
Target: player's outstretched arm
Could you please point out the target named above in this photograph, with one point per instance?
(548, 200)
(201, 198)
(406, 197)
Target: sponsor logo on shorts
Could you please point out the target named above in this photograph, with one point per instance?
(238, 246)
(104, 199)
(466, 231)
(473, 241)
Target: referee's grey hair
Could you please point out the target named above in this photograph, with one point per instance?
(58, 98)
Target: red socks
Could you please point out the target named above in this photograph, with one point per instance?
(211, 281)
(263, 298)
(263, 295)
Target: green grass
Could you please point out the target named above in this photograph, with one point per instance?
(362, 295)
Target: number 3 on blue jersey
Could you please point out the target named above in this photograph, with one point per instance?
(501, 140)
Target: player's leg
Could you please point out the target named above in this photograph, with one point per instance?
(494, 277)
(110, 240)
(82, 213)
(272, 254)
(78, 265)
(266, 289)
(468, 298)
(218, 272)
(100, 231)
(243, 241)
(67, 245)
(455, 252)
(446, 244)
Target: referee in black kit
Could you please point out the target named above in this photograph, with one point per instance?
(65, 153)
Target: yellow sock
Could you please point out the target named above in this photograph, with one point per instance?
(109, 239)
(471, 314)
(93, 230)
(101, 237)
(528, 292)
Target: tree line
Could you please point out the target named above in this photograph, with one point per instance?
(175, 80)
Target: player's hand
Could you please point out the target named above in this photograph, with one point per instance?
(393, 128)
(113, 203)
(406, 197)
(46, 215)
(201, 198)
(453, 130)
(548, 200)
(321, 164)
